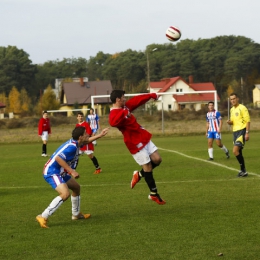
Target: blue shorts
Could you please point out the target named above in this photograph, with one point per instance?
(56, 179)
(214, 135)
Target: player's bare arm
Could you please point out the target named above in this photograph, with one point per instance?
(66, 167)
(229, 122)
(103, 133)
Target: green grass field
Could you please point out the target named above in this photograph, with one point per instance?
(208, 211)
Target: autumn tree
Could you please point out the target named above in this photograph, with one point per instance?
(25, 101)
(48, 101)
(14, 101)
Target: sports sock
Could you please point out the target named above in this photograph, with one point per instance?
(210, 151)
(95, 162)
(55, 204)
(75, 203)
(150, 181)
(141, 173)
(224, 148)
(241, 161)
(44, 148)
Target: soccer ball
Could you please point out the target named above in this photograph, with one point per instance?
(173, 33)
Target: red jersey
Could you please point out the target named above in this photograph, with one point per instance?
(44, 125)
(135, 136)
(89, 146)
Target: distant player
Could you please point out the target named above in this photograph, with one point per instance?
(88, 149)
(94, 123)
(213, 130)
(44, 130)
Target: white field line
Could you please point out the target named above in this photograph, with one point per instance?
(205, 161)
(167, 150)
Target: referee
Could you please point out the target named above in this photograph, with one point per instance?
(240, 120)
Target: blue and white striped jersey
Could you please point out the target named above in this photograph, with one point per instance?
(69, 152)
(93, 121)
(213, 118)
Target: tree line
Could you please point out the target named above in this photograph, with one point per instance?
(230, 62)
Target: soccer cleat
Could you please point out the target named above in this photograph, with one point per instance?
(80, 216)
(42, 221)
(97, 171)
(156, 197)
(227, 154)
(210, 159)
(242, 174)
(136, 178)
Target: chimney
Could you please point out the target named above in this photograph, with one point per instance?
(81, 81)
(190, 79)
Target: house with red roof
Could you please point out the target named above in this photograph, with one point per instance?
(80, 91)
(184, 95)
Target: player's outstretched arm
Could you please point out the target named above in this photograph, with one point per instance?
(101, 134)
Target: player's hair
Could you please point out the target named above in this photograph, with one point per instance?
(91, 109)
(117, 93)
(80, 113)
(210, 102)
(77, 132)
(45, 112)
(233, 94)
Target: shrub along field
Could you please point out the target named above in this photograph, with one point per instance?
(208, 211)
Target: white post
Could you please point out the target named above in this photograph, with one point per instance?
(162, 118)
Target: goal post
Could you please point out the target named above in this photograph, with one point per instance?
(162, 100)
(214, 92)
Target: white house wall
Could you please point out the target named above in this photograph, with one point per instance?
(169, 99)
(256, 96)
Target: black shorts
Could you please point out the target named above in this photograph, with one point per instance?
(239, 138)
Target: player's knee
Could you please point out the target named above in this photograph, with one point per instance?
(158, 161)
(65, 195)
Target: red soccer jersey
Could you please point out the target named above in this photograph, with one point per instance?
(135, 136)
(88, 146)
(44, 125)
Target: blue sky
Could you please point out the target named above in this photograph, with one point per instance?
(57, 29)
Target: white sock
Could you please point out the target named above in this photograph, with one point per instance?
(224, 148)
(210, 151)
(55, 204)
(75, 203)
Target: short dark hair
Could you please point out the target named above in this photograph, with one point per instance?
(117, 93)
(80, 113)
(210, 102)
(91, 109)
(45, 112)
(77, 132)
(233, 94)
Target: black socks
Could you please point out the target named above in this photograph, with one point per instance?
(95, 162)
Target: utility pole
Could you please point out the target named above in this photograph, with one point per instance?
(148, 67)
(242, 90)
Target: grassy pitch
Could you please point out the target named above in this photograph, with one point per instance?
(208, 211)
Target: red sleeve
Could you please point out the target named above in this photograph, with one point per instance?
(117, 116)
(40, 127)
(139, 100)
